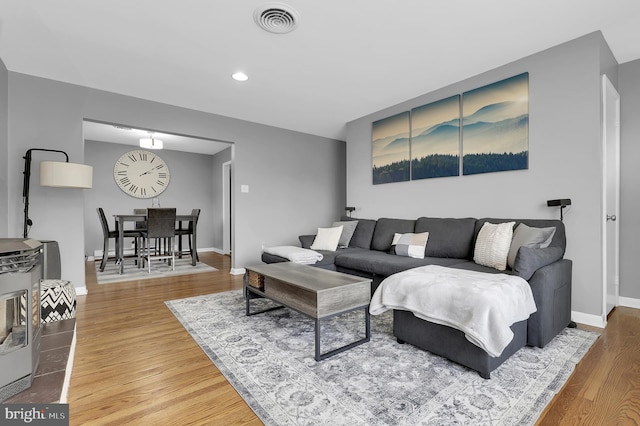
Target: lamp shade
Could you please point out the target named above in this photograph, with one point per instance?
(65, 175)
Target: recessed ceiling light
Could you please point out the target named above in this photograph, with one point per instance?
(240, 76)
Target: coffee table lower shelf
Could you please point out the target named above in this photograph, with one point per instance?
(252, 293)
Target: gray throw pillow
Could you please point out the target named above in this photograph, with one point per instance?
(529, 260)
(526, 236)
(348, 228)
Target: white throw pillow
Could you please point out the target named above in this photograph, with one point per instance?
(327, 239)
(492, 245)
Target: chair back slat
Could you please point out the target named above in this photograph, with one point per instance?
(196, 213)
(103, 221)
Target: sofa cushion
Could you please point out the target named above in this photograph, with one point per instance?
(306, 240)
(385, 230)
(527, 236)
(492, 245)
(448, 237)
(363, 233)
(410, 244)
(385, 264)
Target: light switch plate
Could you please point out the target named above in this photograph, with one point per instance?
(244, 188)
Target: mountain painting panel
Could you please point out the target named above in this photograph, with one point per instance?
(495, 127)
(435, 139)
(390, 149)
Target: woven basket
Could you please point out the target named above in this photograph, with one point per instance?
(255, 279)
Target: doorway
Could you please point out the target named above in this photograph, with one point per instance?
(195, 180)
(611, 195)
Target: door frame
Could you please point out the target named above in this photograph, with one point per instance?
(226, 207)
(610, 99)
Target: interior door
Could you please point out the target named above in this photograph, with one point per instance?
(611, 193)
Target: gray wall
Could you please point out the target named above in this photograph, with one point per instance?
(629, 176)
(296, 180)
(564, 161)
(191, 186)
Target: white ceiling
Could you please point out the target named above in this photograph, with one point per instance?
(347, 58)
(101, 132)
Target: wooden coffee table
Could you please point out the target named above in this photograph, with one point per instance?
(314, 292)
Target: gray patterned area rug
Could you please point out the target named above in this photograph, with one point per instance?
(269, 359)
(159, 269)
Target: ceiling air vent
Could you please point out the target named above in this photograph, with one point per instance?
(277, 18)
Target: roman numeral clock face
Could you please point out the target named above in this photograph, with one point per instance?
(141, 174)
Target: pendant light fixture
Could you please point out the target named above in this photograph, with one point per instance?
(151, 143)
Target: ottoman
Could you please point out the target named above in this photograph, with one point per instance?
(57, 300)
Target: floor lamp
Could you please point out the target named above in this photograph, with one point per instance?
(56, 174)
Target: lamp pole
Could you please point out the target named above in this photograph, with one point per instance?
(25, 185)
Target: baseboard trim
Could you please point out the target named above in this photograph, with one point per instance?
(629, 302)
(588, 319)
(82, 291)
(237, 271)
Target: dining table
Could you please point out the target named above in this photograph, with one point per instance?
(121, 219)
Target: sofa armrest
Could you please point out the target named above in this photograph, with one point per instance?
(529, 260)
(306, 240)
(551, 288)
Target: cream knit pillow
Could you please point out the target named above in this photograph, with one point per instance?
(327, 239)
(492, 245)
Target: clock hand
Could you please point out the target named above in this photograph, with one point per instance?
(148, 171)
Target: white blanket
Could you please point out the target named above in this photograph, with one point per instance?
(481, 305)
(295, 254)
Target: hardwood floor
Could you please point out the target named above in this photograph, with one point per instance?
(605, 386)
(135, 363)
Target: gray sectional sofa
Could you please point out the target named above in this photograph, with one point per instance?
(451, 243)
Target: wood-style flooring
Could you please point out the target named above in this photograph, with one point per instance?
(135, 363)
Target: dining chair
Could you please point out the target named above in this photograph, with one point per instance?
(161, 224)
(108, 234)
(141, 225)
(189, 232)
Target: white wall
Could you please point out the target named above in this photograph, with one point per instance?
(564, 162)
(296, 180)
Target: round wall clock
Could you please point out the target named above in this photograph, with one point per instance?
(141, 174)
